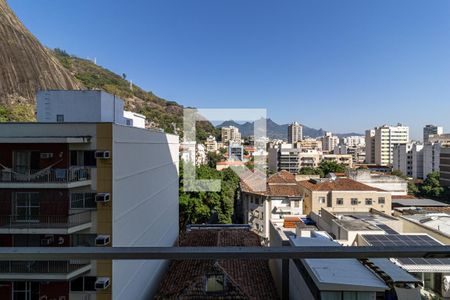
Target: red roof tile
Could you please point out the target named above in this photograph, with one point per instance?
(339, 184)
(245, 279)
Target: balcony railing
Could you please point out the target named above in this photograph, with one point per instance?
(40, 221)
(47, 175)
(41, 267)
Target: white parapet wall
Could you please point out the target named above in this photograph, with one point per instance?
(145, 210)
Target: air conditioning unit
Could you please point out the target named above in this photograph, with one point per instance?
(46, 155)
(102, 283)
(102, 197)
(102, 240)
(102, 154)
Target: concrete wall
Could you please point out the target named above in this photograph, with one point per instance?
(298, 289)
(312, 201)
(79, 106)
(145, 211)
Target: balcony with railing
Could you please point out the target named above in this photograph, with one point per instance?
(45, 224)
(43, 270)
(45, 178)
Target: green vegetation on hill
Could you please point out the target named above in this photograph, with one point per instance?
(17, 113)
(161, 113)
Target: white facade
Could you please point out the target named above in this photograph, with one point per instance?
(431, 155)
(134, 119)
(145, 210)
(417, 161)
(286, 157)
(92, 106)
(354, 141)
(381, 141)
(403, 159)
(329, 142)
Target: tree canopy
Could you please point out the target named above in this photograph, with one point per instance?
(325, 168)
(209, 207)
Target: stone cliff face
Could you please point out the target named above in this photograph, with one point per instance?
(25, 65)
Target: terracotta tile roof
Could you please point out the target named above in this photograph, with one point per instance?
(245, 279)
(282, 183)
(339, 184)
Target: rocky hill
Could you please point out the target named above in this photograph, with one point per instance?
(26, 65)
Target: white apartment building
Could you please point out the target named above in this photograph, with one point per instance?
(429, 130)
(230, 134)
(84, 106)
(416, 160)
(403, 159)
(354, 141)
(286, 157)
(380, 143)
(295, 133)
(329, 142)
(431, 155)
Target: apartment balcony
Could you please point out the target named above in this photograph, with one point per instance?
(43, 270)
(46, 178)
(56, 224)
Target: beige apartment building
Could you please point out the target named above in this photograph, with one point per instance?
(342, 194)
(230, 134)
(309, 144)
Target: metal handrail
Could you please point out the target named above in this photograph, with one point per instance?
(187, 253)
(53, 175)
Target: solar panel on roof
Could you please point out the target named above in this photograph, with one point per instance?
(387, 229)
(407, 240)
(400, 240)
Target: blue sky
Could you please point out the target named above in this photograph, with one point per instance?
(343, 65)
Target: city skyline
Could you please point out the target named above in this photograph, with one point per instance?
(313, 57)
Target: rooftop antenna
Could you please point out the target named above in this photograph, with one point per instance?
(95, 60)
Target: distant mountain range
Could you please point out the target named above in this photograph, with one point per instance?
(277, 131)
